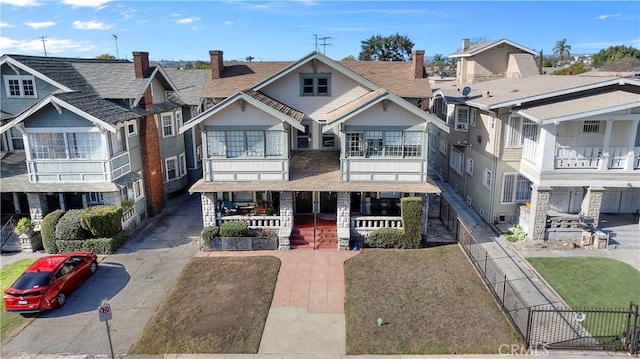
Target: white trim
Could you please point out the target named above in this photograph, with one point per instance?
(10, 61)
(182, 160)
(487, 174)
(19, 78)
(172, 124)
(492, 45)
(135, 128)
(166, 169)
(148, 82)
(577, 115)
(469, 166)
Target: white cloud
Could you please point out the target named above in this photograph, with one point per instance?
(40, 25)
(227, 22)
(21, 3)
(175, 14)
(6, 24)
(53, 45)
(91, 25)
(187, 20)
(99, 4)
(607, 16)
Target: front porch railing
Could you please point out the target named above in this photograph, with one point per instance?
(253, 221)
(597, 157)
(371, 223)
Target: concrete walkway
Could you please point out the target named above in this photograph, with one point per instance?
(307, 311)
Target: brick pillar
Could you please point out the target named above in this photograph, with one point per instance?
(286, 220)
(343, 221)
(538, 215)
(425, 215)
(591, 204)
(151, 160)
(38, 207)
(209, 211)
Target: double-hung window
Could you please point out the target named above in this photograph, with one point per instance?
(456, 160)
(167, 124)
(118, 142)
(515, 188)
(518, 129)
(487, 178)
(443, 146)
(432, 142)
(20, 86)
(469, 168)
(182, 165)
(315, 84)
(171, 168)
(462, 119)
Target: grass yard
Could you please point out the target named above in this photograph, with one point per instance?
(12, 323)
(217, 305)
(588, 282)
(431, 301)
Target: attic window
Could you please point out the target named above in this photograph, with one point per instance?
(20, 86)
(317, 84)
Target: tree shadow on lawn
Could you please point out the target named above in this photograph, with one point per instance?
(109, 280)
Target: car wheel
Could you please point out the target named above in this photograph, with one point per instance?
(61, 298)
(93, 267)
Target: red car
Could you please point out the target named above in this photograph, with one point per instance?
(47, 282)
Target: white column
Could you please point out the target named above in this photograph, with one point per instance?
(546, 149)
(344, 220)
(606, 152)
(633, 151)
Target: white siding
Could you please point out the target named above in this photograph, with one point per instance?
(233, 115)
(393, 116)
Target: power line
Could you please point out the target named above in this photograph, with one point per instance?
(43, 45)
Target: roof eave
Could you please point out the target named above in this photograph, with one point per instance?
(43, 77)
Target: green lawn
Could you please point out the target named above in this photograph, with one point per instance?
(588, 282)
(431, 301)
(11, 323)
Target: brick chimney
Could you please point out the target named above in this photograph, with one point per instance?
(140, 63)
(417, 63)
(465, 44)
(217, 63)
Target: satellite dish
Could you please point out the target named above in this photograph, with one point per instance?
(466, 90)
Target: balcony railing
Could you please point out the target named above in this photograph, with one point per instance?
(254, 222)
(597, 157)
(78, 170)
(371, 223)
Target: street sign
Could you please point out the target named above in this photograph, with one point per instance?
(104, 312)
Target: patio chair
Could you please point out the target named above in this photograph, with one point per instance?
(229, 208)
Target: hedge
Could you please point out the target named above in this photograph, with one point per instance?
(234, 229)
(411, 209)
(102, 221)
(69, 227)
(95, 245)
(210, 232)
(48, 231)
(383, 238)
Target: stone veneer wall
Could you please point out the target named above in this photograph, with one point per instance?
(37, 207)
(286, 220)
(208, 200)
(539, 207)
(592, 203)
(344, 220)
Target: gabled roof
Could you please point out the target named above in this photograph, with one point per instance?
(148, 79)
(366, 101)
(258, 100)
(585, 106)
(484, 46)
(103, 113)
(396, 76)
(54, 70)
(325, 60)
(189, 83)
(238, 76)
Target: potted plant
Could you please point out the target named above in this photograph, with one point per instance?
(29, 240)
(24, 226)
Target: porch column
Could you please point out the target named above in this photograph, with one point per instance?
(286, 220)
(633, 151)
(606, 151)
(538, 215)
(344, 220)
(209, 214)
(37, 207)
(16, 203)
(425, 215)
(592, 203)
(546, 147)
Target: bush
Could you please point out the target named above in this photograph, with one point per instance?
(48, 231)
(69, 227)
(95, 245)
(234, 229)
(210, 232)
(383, 238)
(102, 221)
(411, 209)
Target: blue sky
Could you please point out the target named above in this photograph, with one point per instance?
(284, 30)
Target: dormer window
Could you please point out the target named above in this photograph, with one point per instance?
(20, 86)
(318, 84)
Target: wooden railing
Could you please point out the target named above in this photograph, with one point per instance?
(578, 157)
(253, 221)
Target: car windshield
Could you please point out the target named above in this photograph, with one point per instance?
(31, 280)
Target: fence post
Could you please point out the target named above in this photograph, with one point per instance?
(486, 256)
(504, 289)
(527, 335)
(633, 336)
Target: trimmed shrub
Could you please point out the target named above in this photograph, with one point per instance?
(102, 221)
(95, 245)
(383, 238)
(210, 232)
(411, 209)
(48, 231)
(234, 229)
(69, 227)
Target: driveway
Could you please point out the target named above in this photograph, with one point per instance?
(134, 280)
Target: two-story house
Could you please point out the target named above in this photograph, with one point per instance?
(314, 137)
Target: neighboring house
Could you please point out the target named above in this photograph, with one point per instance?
(344, 141)
(81, 132)
(549, 153)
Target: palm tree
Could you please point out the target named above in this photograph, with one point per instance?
(439, 64)
(562, 50)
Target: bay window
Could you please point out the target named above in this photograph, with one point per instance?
(394, 144)
(71, 145)
(232, 144)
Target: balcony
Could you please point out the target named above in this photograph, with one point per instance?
(623, 158)
(75, 170)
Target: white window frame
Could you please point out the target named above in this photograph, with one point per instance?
(171, 125)
(469, 166)
(21, 79)
(492, 123)
(177, 116)
(462, 122)
(517, 180)
(198, 155)
(182, 165)
(138, 189)
(432, 142)
(456, 160)
(487, 177)
(443, 146)
(173, 159)
(132, 128)
(315, 77)
(591, 126)
(473, 114)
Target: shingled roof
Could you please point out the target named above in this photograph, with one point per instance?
(276, 105)
(189, 83)
(97, 107)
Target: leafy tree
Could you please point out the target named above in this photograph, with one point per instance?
(438, 63)
(349, 58)
(199, 64)
(389, 48)
(624, 64)
(573, 69)
(106, 57)
(613, 53)
(562, 50)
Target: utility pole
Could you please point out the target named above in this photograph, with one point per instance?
(324, 43)
(316, 37)
(43, 45)
(115, 37)
(249, 58)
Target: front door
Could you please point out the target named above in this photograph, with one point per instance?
(304, 202)
(328, 202)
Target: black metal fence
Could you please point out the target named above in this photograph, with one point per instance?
(546, 327)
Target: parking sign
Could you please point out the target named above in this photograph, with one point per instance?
(104, 312)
